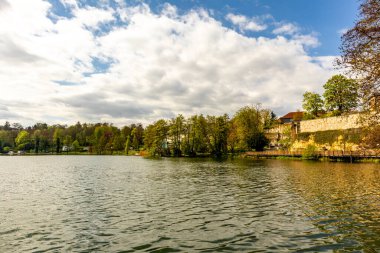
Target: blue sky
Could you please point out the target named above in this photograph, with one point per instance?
(137, 61)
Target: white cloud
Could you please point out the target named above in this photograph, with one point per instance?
(294, 32)
(246, 24)
(287, 28)
(309, 40)
(69, 3)
(159, 65)
(326, 62)
(91, 16)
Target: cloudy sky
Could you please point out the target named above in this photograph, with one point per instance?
(63, 61)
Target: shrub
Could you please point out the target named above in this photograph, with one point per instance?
(310, 152)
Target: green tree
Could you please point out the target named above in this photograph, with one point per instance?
(137, 135)
(312, 103)
(232, 138)
(176, 131)
(68, 140)
(156, 138)
(75, 145)
(341, 94)
(8, 137)
(127, 145)
(22, 139)
(194, 135)
(102, 136)
(45, 140)
(218, 134)
(250, 128)
(57, 137)
(37, 138)
(269, 118)
(200, 135)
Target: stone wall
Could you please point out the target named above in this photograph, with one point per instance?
(331, 123)
(278, 129)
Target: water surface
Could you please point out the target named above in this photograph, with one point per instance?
(131, 204)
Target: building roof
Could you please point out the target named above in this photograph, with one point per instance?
(293, 115)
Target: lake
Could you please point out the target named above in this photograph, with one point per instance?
(129, 204)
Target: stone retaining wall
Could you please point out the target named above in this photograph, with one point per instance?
(331, 123)
(278, 129)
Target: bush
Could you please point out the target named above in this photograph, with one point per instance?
(310, 152)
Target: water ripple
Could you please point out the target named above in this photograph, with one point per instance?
(129, 204)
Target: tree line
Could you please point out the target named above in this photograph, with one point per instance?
(179, 136)
(100, 138)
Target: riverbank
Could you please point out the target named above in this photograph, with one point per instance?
(73, 154)
(334, 156)
(313, 159)
(350, 157)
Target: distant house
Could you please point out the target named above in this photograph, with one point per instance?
(291, 117)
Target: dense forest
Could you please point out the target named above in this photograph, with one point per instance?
(180, 136)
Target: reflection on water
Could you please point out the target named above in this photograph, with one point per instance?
(127, 204)
(343, 200)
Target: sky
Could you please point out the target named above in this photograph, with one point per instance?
(63, 61)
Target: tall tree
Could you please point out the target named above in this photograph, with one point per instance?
(312, 103)
(57, 138)
(118, 141)
(7, 126)
(269, 118)
(341, 94)
(232, 138)
(37, 137)
(250, 128)
(361, 49)
(361, 56)
(176, 132)
(156, 138)
(137, 134)
(217, 134)
(127, 145)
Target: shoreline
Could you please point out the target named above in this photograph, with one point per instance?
(240, 156)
